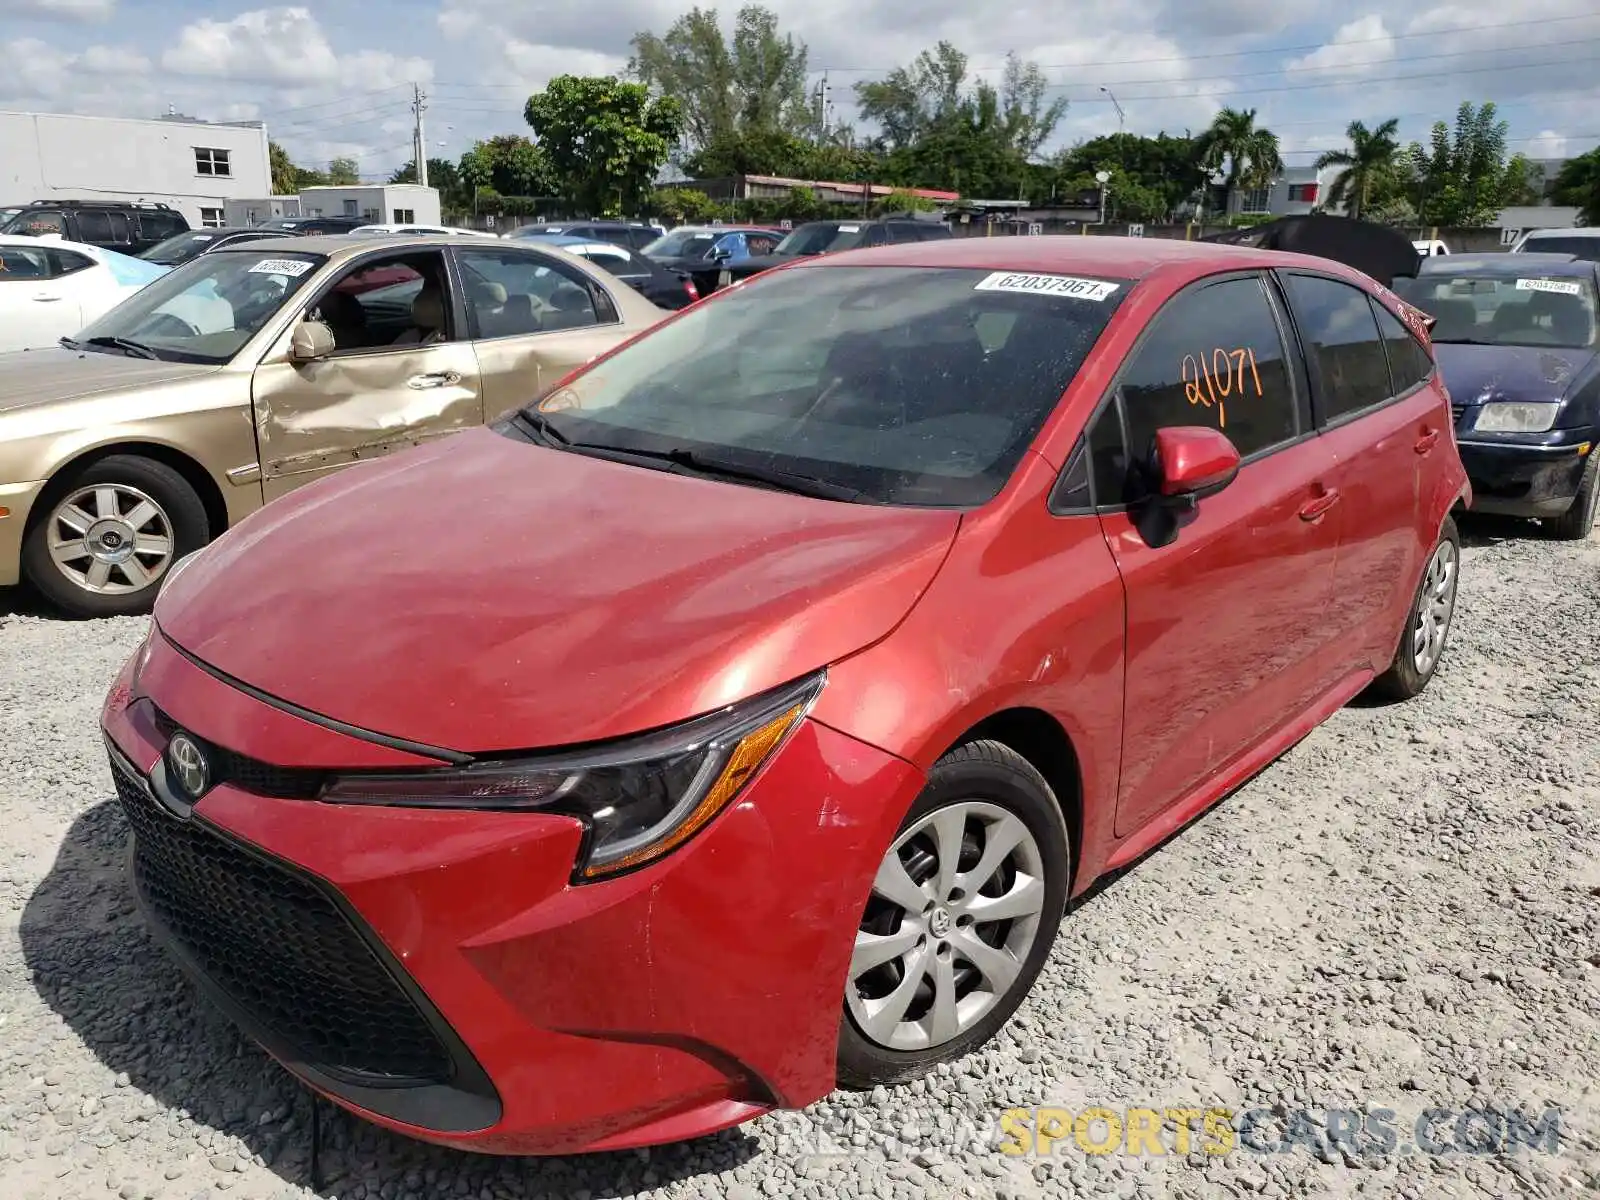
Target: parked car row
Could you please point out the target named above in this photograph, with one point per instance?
(792, 662)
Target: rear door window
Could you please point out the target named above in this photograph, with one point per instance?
(1409, 364)
(1349, 369)
(1214, 357)
(95, 227)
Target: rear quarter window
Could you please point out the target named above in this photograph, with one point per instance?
(1343, 348)
(1409, 364)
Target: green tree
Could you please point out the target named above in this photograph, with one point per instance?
(1578, 184)
(443, 175)
(508, 164)
(728, 88)
(685, 205)
(1463, 178)
(604, 140)
(1366, 166)
(285, 175)
(1150, 175)
(1245, 153)
(344, 172)
(937, 132)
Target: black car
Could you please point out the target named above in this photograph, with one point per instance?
(1515, 339)
(635, 235)
(660, 285)
(829, 237)
(181, 249)
(313, 226)
(122, 226)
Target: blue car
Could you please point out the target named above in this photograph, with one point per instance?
(1515, 340)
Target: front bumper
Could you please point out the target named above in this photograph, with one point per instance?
(437, 972)
(1522, 480)
(16, 501)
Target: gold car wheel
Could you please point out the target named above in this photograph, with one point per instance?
(110, 539)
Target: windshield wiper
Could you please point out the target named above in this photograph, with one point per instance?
(129, 347)
(539, 426)
(716, 468)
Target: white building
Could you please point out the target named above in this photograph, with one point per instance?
(381, 204)
(1295, 193)
(194, 166)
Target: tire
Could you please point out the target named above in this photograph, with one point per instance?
(176, 521)
(991, 789)
(1576, 523)
(1411, 670)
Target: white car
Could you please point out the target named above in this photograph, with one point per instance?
(417, 231)
(1430, 248)
(50, 289)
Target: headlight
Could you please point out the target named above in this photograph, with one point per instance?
(1516, 418)
(639, 799)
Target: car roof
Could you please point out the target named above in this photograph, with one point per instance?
(1112, 257)
(1508, 265)
(1583, 231)
(340, 246)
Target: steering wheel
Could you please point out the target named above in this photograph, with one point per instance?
(163, 325)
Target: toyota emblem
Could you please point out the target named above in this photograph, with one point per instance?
(188, 765)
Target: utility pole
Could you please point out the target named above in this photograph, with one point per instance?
(824, 99)
(418, 107)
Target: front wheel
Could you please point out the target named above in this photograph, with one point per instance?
(963, 912)
(109, 533)
(1576, 523)
(1432, 611)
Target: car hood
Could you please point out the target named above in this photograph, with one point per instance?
(30, 378)
(1481, 374)
(482, 594)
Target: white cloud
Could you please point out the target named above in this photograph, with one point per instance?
(283, 46)
(1547, 144)
(66, 10)
(1357, 48)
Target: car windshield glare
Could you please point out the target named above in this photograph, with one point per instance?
(207, 309)
(822, 238)
(910, 386)
(1506, 310)
(681, 243)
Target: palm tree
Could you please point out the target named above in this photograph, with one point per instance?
(1370, 157)
(1250, 154)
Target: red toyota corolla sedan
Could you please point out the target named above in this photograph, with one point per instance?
(737, 721)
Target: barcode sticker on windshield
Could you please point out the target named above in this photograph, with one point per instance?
(1565, 287)
(1046, 285)
(293, 267)
(849, 229)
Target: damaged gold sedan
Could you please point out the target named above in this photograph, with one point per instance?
(248, 372)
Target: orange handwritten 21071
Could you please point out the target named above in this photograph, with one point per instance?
(1211, 379)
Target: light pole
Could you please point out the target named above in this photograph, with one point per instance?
(1102, 178)
(1122, 117)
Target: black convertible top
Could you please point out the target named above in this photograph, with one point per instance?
(1378, 250)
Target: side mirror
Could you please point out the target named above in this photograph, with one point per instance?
(310, 341)
(1192, 461)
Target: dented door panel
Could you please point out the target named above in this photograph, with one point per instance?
(519, 370)
(313, 418)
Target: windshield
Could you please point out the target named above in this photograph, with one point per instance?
(906, 385)
(822, 237)
(1586, 248)
(207, 309)
(682, 243)
(1504, 310)
(179, 249)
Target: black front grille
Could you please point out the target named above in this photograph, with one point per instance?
(1456, 410)
(251, 774)
(279, 947)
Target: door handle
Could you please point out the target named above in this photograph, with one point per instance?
(1315, 508)
(437, 379)
(1428, 440)
(47, 299)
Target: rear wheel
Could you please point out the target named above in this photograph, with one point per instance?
(109, 533)
(963, 912)
(1576, 523)
(1433, 609)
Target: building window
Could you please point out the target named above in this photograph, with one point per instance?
(211, 218)
(1303, 193)
(404, 216)
(370, 214)
(211, 162)
(1255, 200)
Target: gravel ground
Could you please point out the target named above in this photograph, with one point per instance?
(1403, 913)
